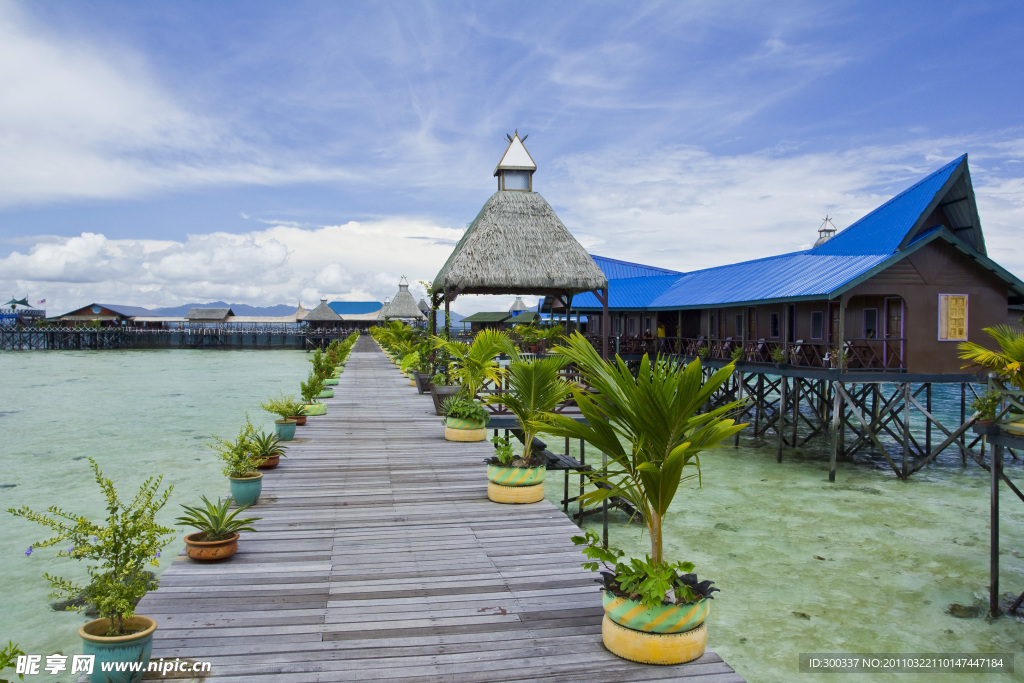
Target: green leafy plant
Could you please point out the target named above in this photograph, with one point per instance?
(1008, 361)
(534, 389)
(9, 658)
(778, 354)
(285, 406)
(702, 351)
(461, 408)
(987, 405)
(312, 387)
(503, 450)
(737, 353)
(646, 581)
(121, 548)
(476, 363)
(216, 521)
(648, 426)
(238, 456)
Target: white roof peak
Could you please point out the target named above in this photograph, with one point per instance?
(516, 158)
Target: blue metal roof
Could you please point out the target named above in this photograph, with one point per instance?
(884, 229)
(629, 292)
(614, 269)
(802, 274)
(343, 308)
(817, 272)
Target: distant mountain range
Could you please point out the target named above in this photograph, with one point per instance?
(239, 309)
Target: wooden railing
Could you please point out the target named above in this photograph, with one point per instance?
(858, 353)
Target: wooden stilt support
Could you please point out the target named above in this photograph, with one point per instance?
(780, 425)
(837, 409)
(996, 472)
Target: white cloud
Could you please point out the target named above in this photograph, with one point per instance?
(83, 120)
(352, 261)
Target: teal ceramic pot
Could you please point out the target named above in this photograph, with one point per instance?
(134, 647)
(246, 491)
(285, 429)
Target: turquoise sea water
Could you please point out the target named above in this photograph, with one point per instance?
(896, 554)
(138, 413)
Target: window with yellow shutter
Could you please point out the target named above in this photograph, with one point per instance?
(952, 317)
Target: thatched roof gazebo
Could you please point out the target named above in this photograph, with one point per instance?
(323, 317)
(403, 306)
(518, 245)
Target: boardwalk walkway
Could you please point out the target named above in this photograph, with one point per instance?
(379, 557)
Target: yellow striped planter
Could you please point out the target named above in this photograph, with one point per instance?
(515, 494)
(314, 409)
(658, 619)
(515, 476)
(653, 648)
(331, 381)
(465, 435)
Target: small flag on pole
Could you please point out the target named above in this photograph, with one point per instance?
(40, 302)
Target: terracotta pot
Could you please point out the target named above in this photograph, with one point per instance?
(269, 463)
(210, 551)
(299, 419)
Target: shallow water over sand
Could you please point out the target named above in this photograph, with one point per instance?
(896, 553)
(868, 564)
(138, 413)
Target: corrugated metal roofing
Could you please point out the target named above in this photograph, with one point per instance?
(789, 275)
(343, 308)
(812, 273)
(628, 292)
(882, 230)
(486, 317)
(127, 311)
(615, 269)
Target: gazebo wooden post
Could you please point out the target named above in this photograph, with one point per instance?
(568, 318)
(602, 296)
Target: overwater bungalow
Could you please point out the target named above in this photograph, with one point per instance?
(104, 314)
(896, 291)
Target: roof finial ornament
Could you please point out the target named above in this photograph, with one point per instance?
(826, 231)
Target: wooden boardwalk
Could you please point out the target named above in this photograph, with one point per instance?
(379, 557)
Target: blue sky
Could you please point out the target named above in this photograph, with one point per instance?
(161, 153)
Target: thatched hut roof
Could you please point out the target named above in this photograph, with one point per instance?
(322, 313)
(518, 245)
(403, 306)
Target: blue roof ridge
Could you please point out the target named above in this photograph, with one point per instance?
(667, 271)
(939, 171)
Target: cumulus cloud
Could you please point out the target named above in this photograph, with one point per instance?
(352, 261)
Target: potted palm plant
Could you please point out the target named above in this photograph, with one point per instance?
(217, 529)
(472, 365)
(118, 551)
(650, 429)
(240, 464)
(534, 389)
